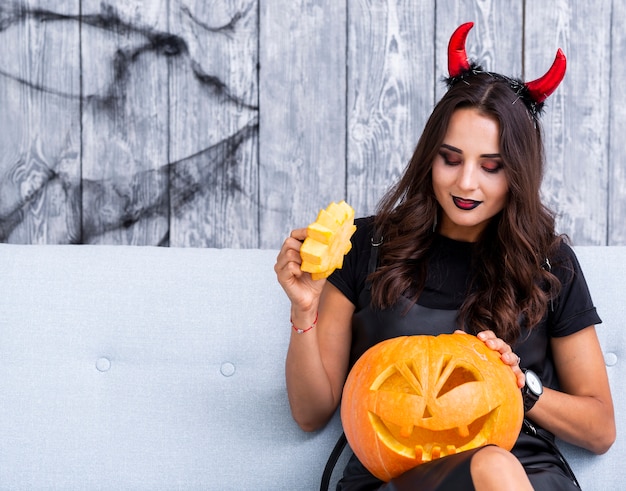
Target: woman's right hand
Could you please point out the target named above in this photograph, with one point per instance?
(301, 289)
(317, 359)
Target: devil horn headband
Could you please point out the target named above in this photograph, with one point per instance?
(538, 90)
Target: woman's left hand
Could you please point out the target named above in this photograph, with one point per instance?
(506, 354)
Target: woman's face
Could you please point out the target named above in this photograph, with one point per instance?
(468, 179)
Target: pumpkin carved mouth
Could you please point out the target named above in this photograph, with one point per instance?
(407, 385)
(423, 444)
(413, 399)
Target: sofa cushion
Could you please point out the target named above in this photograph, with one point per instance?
(153, 368)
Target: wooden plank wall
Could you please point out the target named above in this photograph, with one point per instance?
(225, 123)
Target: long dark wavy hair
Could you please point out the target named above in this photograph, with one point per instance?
(511, 287)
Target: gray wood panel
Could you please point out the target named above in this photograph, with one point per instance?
(39, 125)
(390, 93)
(225, 123)
(214, 124)
(576, 125)
(617, 106)
(302, 149)
(124, 122)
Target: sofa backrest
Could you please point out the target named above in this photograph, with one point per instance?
(605, 271)
(153, 368)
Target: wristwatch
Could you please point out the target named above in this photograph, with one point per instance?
(532, 389)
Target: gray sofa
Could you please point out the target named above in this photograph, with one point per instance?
(154, 368)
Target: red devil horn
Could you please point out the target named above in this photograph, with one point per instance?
(457, 56)
(543, 87)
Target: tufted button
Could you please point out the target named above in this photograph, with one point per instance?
(227, 369)
(103, 364)
(610, 359)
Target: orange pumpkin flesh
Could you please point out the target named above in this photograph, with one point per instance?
(412, 399)
(328, 240)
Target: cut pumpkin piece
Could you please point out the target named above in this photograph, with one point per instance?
(328, 240)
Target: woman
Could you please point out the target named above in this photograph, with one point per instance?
(462, 242)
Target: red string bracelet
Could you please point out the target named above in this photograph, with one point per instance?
(300, 331)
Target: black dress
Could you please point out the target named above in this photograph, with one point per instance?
(435, 313)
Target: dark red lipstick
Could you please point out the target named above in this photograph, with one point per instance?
(465, 204)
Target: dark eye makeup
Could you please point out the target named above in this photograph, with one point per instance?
(449, 158)
(492, 166)
(492, 163)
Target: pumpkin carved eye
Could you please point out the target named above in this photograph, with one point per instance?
(413, 399)
(458, 376)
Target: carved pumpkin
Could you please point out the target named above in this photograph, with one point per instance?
(412, 399)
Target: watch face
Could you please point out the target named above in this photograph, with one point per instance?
(533, 382)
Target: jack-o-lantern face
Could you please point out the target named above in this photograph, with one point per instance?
(409, 400)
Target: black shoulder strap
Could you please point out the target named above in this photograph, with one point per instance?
(376, 241)
(548, 267)
(332, 461)
(533, 430)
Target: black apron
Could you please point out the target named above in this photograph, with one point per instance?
(535, 447)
